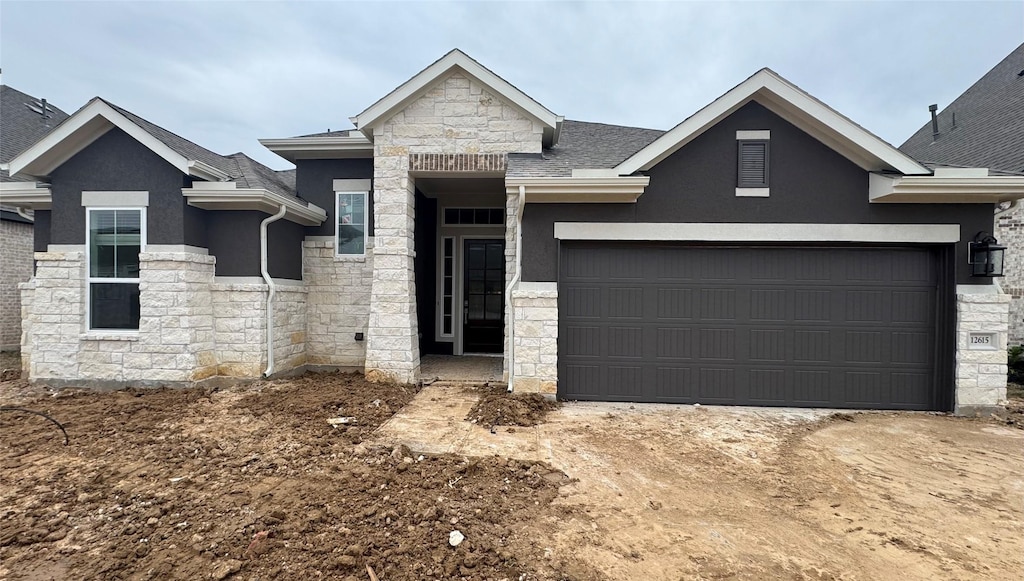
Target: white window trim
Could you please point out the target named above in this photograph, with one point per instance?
(440, 334)
(89, 279)
(366, 220)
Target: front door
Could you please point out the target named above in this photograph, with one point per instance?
(483, 296)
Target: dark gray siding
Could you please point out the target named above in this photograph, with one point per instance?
(41, 230)
(115, 162)
(234, 238)
(314, 182)
(810, 183)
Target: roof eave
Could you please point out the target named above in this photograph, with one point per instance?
(295, 148)
(226, 196)
(615, 189)
(26, 195)
(944, 189)
(455, 60)
(796, 106)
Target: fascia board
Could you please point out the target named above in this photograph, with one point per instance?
(785, 99)
(254, 199)
(945, 189)
(80, 130)
(413, 88)
(580, 189)
(295, 148)
(26, 195)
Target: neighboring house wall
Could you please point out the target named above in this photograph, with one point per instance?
(15, 267)
(1010, 233)
(810, 183)
(456, 116)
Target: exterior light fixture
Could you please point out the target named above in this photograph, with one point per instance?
(985, 255)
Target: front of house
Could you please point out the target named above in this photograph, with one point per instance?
(766, 251)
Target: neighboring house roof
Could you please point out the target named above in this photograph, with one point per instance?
(989, 130)
(22, 124)
(582, 145)
(442, 68)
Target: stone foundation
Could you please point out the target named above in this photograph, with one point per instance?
(240, 328)
(980, 373)
(536, 337)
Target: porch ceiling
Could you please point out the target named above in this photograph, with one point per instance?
(434, 186)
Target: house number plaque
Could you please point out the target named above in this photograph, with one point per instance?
(982, 341)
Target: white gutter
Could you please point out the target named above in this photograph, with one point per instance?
(520, 206)
(21, 212)
(1006, 210)
(270, 285)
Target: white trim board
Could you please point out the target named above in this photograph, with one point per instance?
(114, 199)
(792, 104)
(440, 69)
(733, 232)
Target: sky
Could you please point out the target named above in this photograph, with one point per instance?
(225, 74)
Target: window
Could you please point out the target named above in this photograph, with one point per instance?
(351, 224)
(753, 164)
(116, 237)
(448, 286)
(474, 216)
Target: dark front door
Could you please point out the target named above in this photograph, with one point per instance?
(483, 296)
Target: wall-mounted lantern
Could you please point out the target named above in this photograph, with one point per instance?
(985, 255)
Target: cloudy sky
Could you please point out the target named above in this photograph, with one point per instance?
(225, 74)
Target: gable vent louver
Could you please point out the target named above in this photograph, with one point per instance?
(753, 164)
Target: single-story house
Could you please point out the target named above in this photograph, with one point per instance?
(766, 251)
(984, 127)
(23, 120)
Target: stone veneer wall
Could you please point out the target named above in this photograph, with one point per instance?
(338, 304)
(535, 305)
(15, 268)
(459, 116)
(980, 374)
(1010, 233)
(240, 311)
(175, 342)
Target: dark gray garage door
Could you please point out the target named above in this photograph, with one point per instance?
(777, 326)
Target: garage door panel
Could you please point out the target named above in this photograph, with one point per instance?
(833, 327)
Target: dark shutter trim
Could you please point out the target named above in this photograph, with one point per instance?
(752, 166)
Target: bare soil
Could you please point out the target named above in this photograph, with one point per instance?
(10, 366)
(497, 407)
(253, 483)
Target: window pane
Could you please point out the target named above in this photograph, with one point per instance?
(115, 239)
(114, 306)
(351, 223)
(451, 216)
(465, 215)
(497, 216)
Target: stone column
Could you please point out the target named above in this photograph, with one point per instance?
(56, 316)
(392, 342)
(536, 337)
(980, 372)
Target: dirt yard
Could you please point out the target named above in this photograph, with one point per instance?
(253, 483)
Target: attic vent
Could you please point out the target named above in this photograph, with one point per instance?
(753, 164)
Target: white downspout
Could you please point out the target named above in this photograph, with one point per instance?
(270, 285)
(21, 212)
(520, 206)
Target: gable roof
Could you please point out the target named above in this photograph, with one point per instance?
(22, 124)
(792, 104)
(440, 69)
(582, 145)
(99, 116)
(989, 130)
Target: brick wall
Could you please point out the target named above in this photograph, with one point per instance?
(15, 267)
(1010, 233)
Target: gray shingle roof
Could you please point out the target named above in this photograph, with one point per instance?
(989, 128)
(583, 145)
(344, 133)
(20, 126)
(248, 172)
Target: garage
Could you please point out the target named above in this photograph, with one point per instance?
(840, 326)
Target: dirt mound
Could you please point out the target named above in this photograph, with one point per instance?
(497, 407)
(254, 483)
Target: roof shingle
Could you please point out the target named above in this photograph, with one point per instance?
(583, 145)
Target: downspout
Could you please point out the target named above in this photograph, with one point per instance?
(520, 206)
(270, 285)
